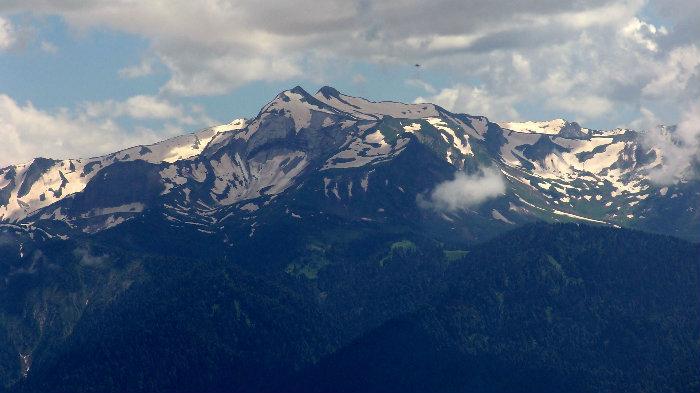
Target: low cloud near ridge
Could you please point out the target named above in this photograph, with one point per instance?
(465, 191)
(680, 148)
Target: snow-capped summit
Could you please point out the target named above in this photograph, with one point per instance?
(560, 127)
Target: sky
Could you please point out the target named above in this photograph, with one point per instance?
(82, 78)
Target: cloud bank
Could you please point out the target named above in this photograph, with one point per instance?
(465, 191)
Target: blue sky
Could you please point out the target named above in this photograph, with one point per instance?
(81, 78)
(86, 65)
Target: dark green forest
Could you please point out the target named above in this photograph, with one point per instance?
(543, 308)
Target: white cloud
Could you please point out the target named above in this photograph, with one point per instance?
(466, 191)
(680, 148)
(642, 33)
(144, 68)
(7, 34)
(144, 107)
(28, 132)
(646, 121)
(601, 68)
(93, 128)
(200, 73)
(474, 100)
(586, 106)
(673, 75)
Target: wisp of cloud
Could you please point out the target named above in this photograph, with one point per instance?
(465, 191)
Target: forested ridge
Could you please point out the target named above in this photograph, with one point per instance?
(544, 308)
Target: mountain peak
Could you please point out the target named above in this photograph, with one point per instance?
(299, 90)
(295, 99)
(289, 94)
(328, 92)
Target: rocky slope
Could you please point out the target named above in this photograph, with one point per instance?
(341, 147)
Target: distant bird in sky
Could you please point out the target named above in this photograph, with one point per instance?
(417, 69)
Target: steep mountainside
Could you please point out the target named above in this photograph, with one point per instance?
(251, 255)
(542, 309)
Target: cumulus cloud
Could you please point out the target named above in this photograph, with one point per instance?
(473, 100)
(678, 72)
(593, 74)
(144, 107)
(7, 34)
(196, 72)
(28, 132)
(680, 148)
(465, 191)
(642, 33)
(586, 106)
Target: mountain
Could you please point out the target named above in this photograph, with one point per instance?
(250, 255)
(355, 156)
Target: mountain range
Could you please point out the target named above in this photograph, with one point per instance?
(268, 254)
(331, 144)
